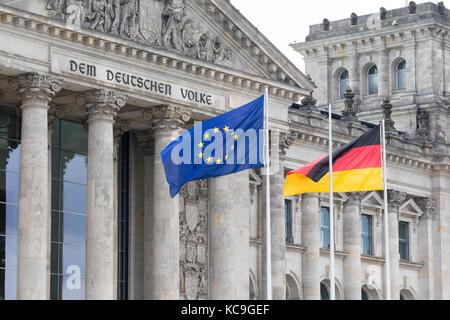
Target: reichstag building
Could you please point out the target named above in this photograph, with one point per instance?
(91, 91)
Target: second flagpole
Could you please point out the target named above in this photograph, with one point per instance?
(330, 133)
(268, 233)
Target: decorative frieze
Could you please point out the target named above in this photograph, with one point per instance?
(164, 24)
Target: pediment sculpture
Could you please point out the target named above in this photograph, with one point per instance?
(160, 23)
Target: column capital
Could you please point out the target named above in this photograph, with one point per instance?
(119, 129)
(55, 112)
(101, 103)
(35, 89)
(167, 116)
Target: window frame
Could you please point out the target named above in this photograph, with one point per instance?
(288, 221)
(370, 235)
(327, 227)
(369, 76)
(407, 241)
(341, 93)
(397, 71)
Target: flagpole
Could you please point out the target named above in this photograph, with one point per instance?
(332, 276)
(386, 218)
(268, 231)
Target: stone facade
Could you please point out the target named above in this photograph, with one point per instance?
(154, 68)
(415, 106)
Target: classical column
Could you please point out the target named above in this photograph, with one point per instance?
(277, 220)
(383, 73)
(162, 248)
(427, 250)
(229, 199)
(102, 107)
(352, 245)
(354, 73)
(395, 199)
(35, 92)
(311, 239)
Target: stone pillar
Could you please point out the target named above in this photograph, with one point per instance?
(102, 107)
(229, 199)
(277, 220)
(426, 248)
(311, 239)
(162, 248)
(395, 199)
(383, 74)
(352, 245)
(354, 74)
(35, 92)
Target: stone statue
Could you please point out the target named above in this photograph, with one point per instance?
(129, 12)
(98, 14)
(423, 126)
(161, 23)
(354, 19)
(412, 7)
(326, 24)
(387, 112)
(349, 113)
(173, 16)
(383, 13)
(441, 7)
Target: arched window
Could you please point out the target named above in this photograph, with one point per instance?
(324, 292)
(372, 80)
(343, 83)
(401, 75)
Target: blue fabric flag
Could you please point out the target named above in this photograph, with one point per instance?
(226, 144)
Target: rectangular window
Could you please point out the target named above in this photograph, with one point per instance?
(366, 235)
(325, 227)
(123, 216)
(403, 240)
(9, 201)
(68, 231)
(288, 220)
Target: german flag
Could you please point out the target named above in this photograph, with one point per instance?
(356, 167)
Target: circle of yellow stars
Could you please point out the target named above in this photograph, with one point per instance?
(206, 136)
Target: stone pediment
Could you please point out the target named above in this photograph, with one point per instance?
(207, 30)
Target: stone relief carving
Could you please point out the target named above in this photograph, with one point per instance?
(161, 23)
(287, 139)
(194, 240)
(423, 125)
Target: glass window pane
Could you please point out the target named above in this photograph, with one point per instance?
(324, 293)
(9, 219)
(73, 137)
(55, 287)
(55, 164)
(55, 258)
(9, 155)
(74, 167)
(2, 284)
(73, 287)
(2, 252)
(9, 187)
(73, 259)
(74, 229)
(11, 253)
(74, 198)
(10, 284)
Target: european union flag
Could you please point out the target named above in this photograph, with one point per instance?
(226, 144)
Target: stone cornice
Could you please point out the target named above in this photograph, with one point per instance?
(398, 150)
(57, 29)
(372, 40)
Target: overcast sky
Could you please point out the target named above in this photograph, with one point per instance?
(287, 21)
